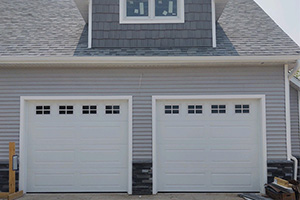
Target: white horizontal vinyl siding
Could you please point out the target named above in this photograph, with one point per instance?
(142, 83)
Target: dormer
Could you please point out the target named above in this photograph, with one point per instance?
(151, 23)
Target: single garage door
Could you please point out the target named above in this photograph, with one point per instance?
(77, 146)
(208, 145)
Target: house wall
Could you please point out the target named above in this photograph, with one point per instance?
(142, 83)
(195, 32)
(294, 103)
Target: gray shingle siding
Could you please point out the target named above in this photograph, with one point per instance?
(195, 32)
(142, 84)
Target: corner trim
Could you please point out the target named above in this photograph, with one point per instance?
(90, 24)
(23, 143)
(261, 98)
(213, 22)
(287, 112)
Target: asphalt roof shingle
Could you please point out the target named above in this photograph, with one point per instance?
(56, 28)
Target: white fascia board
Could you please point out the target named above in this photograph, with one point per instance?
(162, 60)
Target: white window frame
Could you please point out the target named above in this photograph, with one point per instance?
(151, 19)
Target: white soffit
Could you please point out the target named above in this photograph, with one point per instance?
(83, 5)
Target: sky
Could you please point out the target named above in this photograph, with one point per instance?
(286, 13)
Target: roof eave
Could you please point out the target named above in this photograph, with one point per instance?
(155, 60)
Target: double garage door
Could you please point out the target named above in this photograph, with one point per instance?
(201, 145)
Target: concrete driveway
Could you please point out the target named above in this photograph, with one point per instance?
(105, 196)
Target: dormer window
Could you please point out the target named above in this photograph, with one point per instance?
(151, 11)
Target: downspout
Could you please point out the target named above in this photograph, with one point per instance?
(90, 24)
(288, 115)
(295, 69)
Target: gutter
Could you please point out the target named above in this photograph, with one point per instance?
(122, 60)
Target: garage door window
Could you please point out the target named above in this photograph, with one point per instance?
(66, 110)
(112, 109)
(218, 109)
(171, 109)
(242, 109)
(86, 109)
(42, 110)
(195, 109)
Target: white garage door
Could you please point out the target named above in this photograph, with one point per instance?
(208, 145)
(77, 146)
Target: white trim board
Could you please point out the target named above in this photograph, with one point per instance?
(214, 26)
(263, 151)
(142, 60)
(287, 112)
(23, 152)
(90, 24)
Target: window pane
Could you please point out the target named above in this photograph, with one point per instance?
(199, 111)
(137, 8)
(191, 107)
(39, 112)
(198, 107)
(245, 106)
(116, 107)
(246, 111)
(116, 112)
(222, 111)
(168, 107)
(168, 112)
(175, 111)
(108, 111)
(165, 7)
(191, 111)
(175, 107)
(93, 112)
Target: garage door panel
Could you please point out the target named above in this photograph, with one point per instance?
(54, 156)
(181, 132)
(208, 152)
(103, 156)
(54, 179)
(183, 180)
(184, 155)
(232, 131)
(56, 132)
(115, 134)
(77, 152)
(231, 180)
